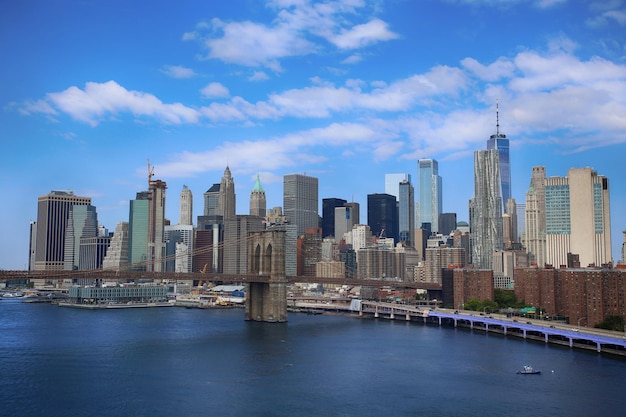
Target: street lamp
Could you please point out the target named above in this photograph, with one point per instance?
(582, 318)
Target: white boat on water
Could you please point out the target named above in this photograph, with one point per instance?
(528, 370)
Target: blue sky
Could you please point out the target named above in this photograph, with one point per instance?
(342, 90)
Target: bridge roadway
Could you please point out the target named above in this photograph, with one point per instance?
(111, 275)
(540, 330)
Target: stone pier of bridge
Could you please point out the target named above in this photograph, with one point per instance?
(267, 301)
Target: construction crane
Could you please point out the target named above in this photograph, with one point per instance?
(150, 171)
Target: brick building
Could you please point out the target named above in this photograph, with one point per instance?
(463, 284)
(586, 296)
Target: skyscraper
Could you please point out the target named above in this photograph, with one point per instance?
(156, 225)
(211, 200)
(138, 231)
(535, 217)
(227, 203)
(485, 209)
(392, 183)
(429, 193)
(382, 215)
(186, 206)
(300, 201)
(53, 212)
(117, 254)
(406, 213)
(179, 241)
(258, 204)
(578, 220)
(346, 217)
(81, 223)
(236, 242)
(501, 144)
(328, 216)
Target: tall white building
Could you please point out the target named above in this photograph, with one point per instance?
(227, 199)
(186, 206)
(535, 217)
(361, 236)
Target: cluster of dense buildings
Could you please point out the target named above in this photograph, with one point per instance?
(554, 251)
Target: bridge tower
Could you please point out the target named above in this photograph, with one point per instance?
(267, 301)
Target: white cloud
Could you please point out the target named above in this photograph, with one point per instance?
(295, 31)
(258, 76)
(215, 90)
(253, 44)
(502, 68)
(98, 100)
(445, 109)
(176, 71)
(362, 35)
(353, 59)
(607, 17)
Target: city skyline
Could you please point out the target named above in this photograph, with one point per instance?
(342, 91)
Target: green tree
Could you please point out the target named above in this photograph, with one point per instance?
(474, 305)
(507, 298)
(615, 323)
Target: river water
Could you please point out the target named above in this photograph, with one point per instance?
(174, 361)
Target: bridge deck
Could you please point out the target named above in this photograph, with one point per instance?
(212, 277)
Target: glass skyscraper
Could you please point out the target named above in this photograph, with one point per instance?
(429, 193)
(406, 213)
(382, 215)
(501, 144)
(138, 231)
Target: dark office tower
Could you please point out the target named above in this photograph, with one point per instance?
(429, 193)
(382, 215)
(328, 215)
(258, 203)
(53, 212)
(406, 213)
(447, 223)
(348, 257)
(211, 201)
(501, 144)
(226, 203)
(300, 201)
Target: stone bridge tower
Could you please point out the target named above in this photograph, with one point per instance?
(267, 301)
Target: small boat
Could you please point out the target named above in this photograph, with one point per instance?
(528, 370)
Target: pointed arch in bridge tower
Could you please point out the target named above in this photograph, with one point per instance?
(267, 301)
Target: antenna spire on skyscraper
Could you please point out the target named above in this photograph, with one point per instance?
(497, 118)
